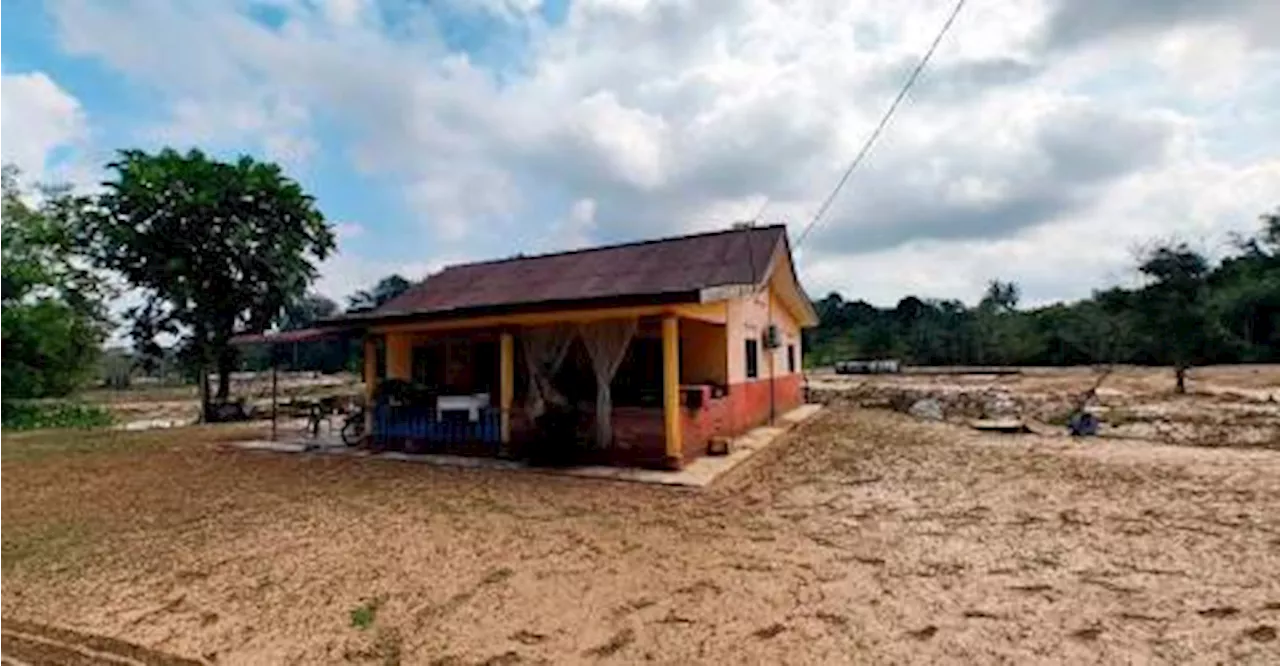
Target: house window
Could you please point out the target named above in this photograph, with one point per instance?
(753, 358)
(791, 358)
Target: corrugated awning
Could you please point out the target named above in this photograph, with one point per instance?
(297, 335)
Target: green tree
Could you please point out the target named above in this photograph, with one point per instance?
(53, 304)
(213, 247)
(306, 311)
(1175, 307)
(386, 289)
(1001, 296)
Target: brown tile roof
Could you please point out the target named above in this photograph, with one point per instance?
(668, 268)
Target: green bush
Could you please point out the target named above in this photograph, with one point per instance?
(362, 616)
(36, 415)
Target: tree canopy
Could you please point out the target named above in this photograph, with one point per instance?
(1174, 308)
(54, 313)
(386, 289)
(213, 247)
(306, 311)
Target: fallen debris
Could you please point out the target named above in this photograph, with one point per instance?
(927, 409)
(1011, 426)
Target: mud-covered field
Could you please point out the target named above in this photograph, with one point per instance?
(870, 537)
(1236, 406)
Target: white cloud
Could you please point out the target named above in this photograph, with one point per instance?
(1045, 135)
(348, 230)
(575, 230)
(39, 117)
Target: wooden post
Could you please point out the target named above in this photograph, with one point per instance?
(370, 381)
(506, 382)
(275, 386)
(399, 356)
(671, 389)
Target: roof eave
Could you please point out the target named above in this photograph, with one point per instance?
(666, 298)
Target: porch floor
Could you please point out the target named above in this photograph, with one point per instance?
(697, 474)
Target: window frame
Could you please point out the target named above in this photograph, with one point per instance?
(751, 352)
(791, 358)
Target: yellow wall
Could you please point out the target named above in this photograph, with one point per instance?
(703, 353)
(749, 316)
(399, 356)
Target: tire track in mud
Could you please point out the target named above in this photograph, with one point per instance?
(32, 644)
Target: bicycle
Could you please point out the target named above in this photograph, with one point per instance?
(353, 427)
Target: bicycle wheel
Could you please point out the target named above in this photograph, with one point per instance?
(353, 430)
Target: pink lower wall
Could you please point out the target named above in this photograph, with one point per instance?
(744, 407)
(639, 437)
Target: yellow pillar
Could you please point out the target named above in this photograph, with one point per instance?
(506, 382)
(370, 379)
(399, 356)
(671, 388)
(370, 368)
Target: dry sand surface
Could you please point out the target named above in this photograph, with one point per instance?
(868, 538)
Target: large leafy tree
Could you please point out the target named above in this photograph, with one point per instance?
(1175, 307)
(53, 304)
(214, 247)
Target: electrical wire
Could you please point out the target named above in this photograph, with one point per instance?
(884, 121)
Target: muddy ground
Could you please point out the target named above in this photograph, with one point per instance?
(870, 537)
(1235, 406)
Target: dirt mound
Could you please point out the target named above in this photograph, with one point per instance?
(958, 402)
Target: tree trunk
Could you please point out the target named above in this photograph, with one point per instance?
(203, 379)
(1180, 371)
(226, 363)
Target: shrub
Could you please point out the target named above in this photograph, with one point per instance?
(362, 616)
(36, 415)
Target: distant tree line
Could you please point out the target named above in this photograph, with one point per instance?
(1188, 311)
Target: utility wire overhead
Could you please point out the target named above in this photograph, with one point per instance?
(884, 121)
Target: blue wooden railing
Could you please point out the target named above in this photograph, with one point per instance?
(416, 423)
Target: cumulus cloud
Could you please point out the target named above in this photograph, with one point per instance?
(1037, 129)
(1075, 22)
(39, 118)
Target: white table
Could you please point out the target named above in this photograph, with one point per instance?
(471, 404)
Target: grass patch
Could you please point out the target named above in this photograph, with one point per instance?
(37, 415)
(364, 615)
(45, 444)
(57, 443)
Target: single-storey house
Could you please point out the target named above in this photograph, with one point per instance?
(640, 353)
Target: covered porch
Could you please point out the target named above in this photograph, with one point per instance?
(526, 385)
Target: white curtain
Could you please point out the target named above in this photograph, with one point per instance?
(545, 348)
(606, 342)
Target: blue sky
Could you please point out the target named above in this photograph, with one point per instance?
(123, 113)
(1046, 141)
